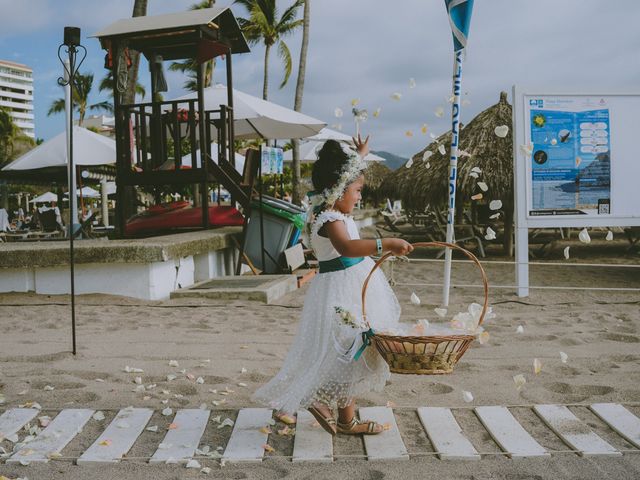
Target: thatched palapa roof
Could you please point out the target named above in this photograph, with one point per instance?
(419, 186)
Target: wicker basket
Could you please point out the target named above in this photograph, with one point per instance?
(428, 355)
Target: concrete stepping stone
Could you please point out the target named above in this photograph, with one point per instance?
(180, 443)
(14, 419)
(619, 419)
(245, 444)
(311, 443)
(387, 445)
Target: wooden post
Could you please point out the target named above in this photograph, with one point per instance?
(203, 146)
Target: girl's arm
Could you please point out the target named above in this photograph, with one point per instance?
(337, 233)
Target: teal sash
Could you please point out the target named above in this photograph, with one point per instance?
(340, 263)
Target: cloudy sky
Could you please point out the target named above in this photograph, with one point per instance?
(369, 49)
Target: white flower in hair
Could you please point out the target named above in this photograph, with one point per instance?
(350, 172)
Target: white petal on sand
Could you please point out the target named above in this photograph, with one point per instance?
(491, 235)
(174, 363)
(409, 163)
(98, 416)
(412, 83)
(200, 380)
(426, 155)
(415, 299)
(193, 464)
(609, 236)
(21, 392)
(495, 215)
(501, 131)
(337, 112)
(137, 380)
(203, 406)
(171, 460)
(584, 236)
(483, 338)
(439, 112)
(520, 329)
(242, 384)
(495, 204)
(467, 396)
(170, 377)
(44, 420)
(13, 438)
(442, 150)
(167, 411)
(123, 424)
(483, 186)
(477, 196)
(205, 470)
(216, 419)
(227, 422)
(164, 446)
(566, 252)
(441, 312)
(519, 380)
(243, 370)
(152, 428)
(217, 403)
(100, 380)
(396, 96)
(537, 366)
(564, 357)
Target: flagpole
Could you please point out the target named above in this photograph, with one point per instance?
(459, 12)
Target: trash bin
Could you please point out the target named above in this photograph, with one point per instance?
(283, 222)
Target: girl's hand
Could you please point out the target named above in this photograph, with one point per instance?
(399, 247)
(361, 147)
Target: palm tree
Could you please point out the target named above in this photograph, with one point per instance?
(82, 88)
(139, 10)
(297, 105)
(12, 139)
(107, 84)
(263, 25)
(190, 66)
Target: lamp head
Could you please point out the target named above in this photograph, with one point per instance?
(71, 36)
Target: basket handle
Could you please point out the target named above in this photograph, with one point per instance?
(431, 244)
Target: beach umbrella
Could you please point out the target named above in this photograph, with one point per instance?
(186, 160)
(257, 118)
(309, 153)
(460, 19)
(86, 192)
(329, 134)
(45, 198)
(486, 160)
(89, 148)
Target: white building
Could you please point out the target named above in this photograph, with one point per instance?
(16, 94)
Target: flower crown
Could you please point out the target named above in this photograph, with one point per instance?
(349, 173)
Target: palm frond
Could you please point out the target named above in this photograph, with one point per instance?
(285, 55)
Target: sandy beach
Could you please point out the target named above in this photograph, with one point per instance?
(598, 330)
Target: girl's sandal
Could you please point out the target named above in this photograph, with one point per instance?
(349, 428)
(328, 423)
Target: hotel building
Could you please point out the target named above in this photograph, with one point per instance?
(16, 94)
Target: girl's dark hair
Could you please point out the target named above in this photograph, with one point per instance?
(327, 169)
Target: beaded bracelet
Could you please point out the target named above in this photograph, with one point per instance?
(379, 246)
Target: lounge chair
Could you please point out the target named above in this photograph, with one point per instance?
(633, 235)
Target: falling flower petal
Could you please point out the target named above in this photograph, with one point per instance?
(424, 128)
(376, 112)
(483, 338)
(483, 186)
(439, 112)
(167, 411)
(609, 236)
(476, 170)
(584, 236)
(442, 150)
(338, 113)
(432, 135)
(537, 366)
(491, 235)
(501, 131)
(408, 133)
(477, 196)
(412, 83)
(337, 126)
(564, 357)
(355, 102)
(227, 422)
(495, 215)
(467, 396)
(426, 155)
(578, 161)
(473, 174)
(193, 464)
(441, 312)
(520, 329)
(409, 163)
(396, 96)
(427, 165)
(527, 149)
(566, 252)
(415, 299)
(465, 102)
(519, 380)
(495, 204)
(463, 153)
(554, 141)
(98, 416)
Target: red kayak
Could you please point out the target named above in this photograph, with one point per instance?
(175, 215)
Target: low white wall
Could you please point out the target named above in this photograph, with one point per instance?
(148, 281)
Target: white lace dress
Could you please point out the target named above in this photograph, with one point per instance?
(319, 364)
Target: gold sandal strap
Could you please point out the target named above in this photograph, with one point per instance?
(350, 424)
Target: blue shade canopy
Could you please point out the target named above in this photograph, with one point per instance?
(459, 18)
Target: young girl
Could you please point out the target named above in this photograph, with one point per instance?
(322, 368)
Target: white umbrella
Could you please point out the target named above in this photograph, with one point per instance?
(309, 153)
(45, 197)
(257, 118)
(89, 148)
(186, 160)
(87, 192)
(328, 134)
